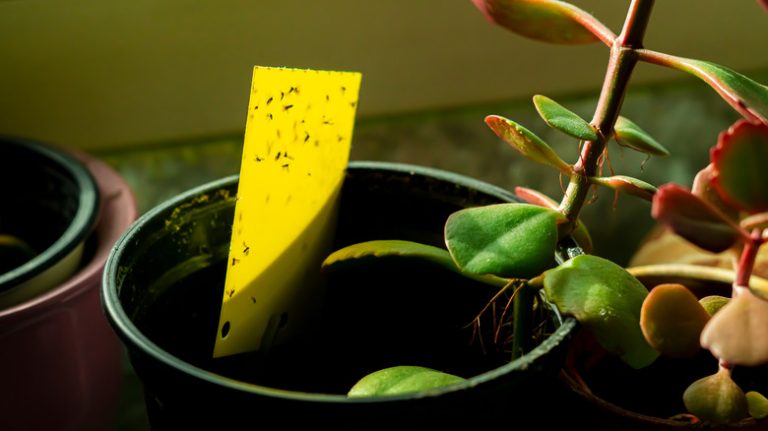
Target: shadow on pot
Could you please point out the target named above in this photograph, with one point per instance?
(164, 283)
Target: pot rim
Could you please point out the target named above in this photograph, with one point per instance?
(129, 332)
(118, 211)
(79, 228)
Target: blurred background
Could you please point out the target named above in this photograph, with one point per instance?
(159, 88)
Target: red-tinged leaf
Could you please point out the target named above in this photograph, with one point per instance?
(703, 188)
(628, 185)
(526, 142)
(546, 20)
(580, 233)
(746, 96)
(692, 218)
(740, 161)
(764, 4)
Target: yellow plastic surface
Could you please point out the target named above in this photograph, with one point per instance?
(296, 149)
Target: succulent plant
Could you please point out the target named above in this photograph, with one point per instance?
(513, 244)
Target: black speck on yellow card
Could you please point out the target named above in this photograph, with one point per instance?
(297, 141)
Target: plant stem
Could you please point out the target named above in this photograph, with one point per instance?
(621, 63)
(747, 259)
(522, 310)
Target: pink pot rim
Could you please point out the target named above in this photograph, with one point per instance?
(118, 211)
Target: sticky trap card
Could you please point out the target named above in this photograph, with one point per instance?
(296, 148)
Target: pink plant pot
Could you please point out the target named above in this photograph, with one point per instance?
(60, 363)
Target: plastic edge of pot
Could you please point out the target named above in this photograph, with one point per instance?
(127, 330)
(116, 198)
(77, 231)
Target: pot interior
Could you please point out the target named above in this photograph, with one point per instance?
(389, 312)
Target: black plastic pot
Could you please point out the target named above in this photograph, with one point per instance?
(50, 203)
(162, 291)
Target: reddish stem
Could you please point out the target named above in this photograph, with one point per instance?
(747, 258)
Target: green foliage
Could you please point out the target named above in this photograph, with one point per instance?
(757, 404)
(606, 299)
(401, 380)
(716, 398)
(560, 118)
(631, 135)
(746, 96)
(508, 240)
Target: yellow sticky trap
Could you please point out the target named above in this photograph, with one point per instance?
(297, 141)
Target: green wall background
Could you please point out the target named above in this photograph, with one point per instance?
(99, 74)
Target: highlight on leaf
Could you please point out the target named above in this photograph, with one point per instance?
(507, 240)
(628, 185)
(629, 134)
(746, 96)
(546, 20)
(360, 252)
(739, 175)
(401, 380)
(526, 142)
(606, 299)
(693, 219)
(560, 118)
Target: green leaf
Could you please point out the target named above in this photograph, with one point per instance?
(740, 159)
(693, 219)
(545, 20)
(580, 233)
(717, 399)
(401, 380)
(526, 142)
(628, 185)
(758, 405)
(560, 118)
(631, 135)
(746, 96)
(402, 249)
(713, 303)
(606, 299)
(508, 240)
(672, 320)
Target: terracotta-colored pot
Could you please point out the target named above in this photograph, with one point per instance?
(59, 361)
